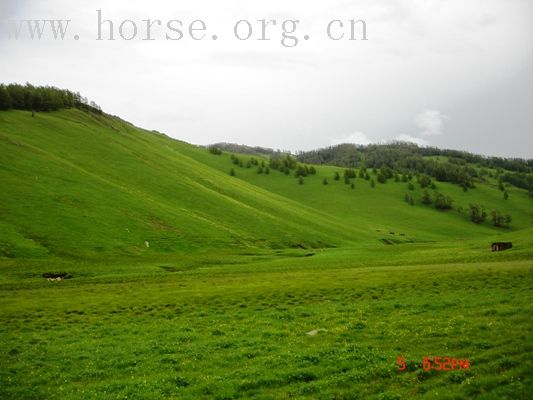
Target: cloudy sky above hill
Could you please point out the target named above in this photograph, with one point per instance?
(434, 72)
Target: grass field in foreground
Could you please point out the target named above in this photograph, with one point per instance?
(228, 331)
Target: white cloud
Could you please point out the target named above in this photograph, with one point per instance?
(412, 139)
(430, 122)
(356, 138)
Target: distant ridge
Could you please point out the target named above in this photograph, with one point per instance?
(244, 149)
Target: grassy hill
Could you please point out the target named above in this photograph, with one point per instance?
(186, 282)
(78, 184)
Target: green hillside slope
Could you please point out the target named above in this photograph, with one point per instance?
(80, 184)
(77, 184)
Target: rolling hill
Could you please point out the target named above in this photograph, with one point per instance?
(81, 184)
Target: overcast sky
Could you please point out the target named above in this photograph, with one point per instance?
(455, 74)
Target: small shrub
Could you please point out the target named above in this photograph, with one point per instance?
(477, 213)
(349, 173)
(443, 202)
(424, 181)
(426, 198)
(500, 220)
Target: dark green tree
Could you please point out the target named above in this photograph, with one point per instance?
(426, 198)
(424, 181)
(477, 213)
(409, 199)
(215, 150)
(500, 220)
(443, 202)
(46, 98)
(5, 99)
(301, 170)
(387, 172)
(350, 173)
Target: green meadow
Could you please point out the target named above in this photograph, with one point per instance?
(185, 282)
